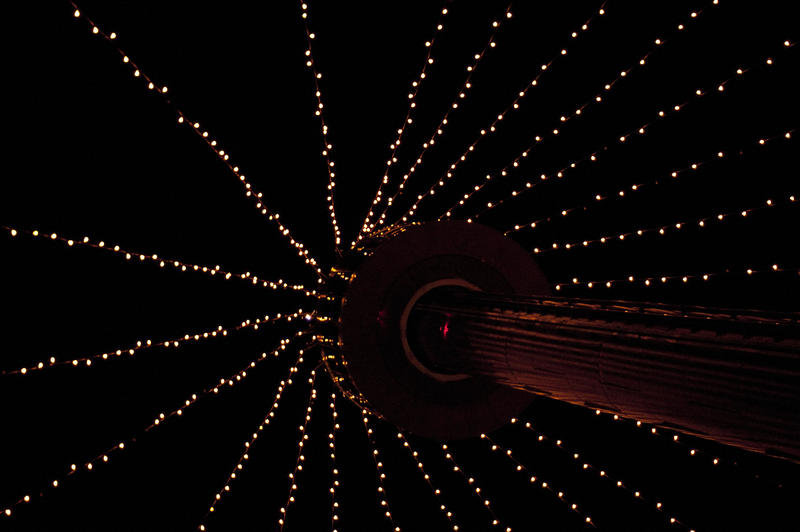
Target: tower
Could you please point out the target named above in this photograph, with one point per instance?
(106, 157)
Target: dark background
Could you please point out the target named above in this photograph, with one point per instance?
(90, 151)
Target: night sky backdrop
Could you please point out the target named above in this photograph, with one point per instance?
(89, 150)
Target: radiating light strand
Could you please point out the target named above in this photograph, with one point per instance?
(407, 121)
(439, 130)
(629, 190)
(661, 279)
(140, 345)
(578, 460)
(334, 469)
(105, 456)
(162, 90)
(327, 148)
(706, 221)
(301, 457)
(383, 497)
(248, 448)
(437, 493)
(494, 126)
(593, 156)
(693, 452)
(162, 262)
(563, 119)
(536, 481)
(238, 376)
(473, 487)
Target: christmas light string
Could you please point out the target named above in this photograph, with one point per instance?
(86, 361)
(298, 466)
(162, 90)
(621, 139)
(382, 495)
(237, 377)
(656, 279)
(334, 470)
(327, 148)
(563, 119)
(105, 456)
(492, 128)
(693, 452)
(536, 481)
(248, 447)
(600, 472)
(407, 121)
(437, 493)
(790, 199)
(331, 185)
(628, 191)
(163, 262)
(367, 227)
(472, 484)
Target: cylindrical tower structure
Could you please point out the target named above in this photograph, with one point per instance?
(446, 329)
(731, 376)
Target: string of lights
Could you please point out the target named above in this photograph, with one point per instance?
(470, 481)
(656, 279)
(236, 377)
(579, 111)
(382, 495)
(407, 121)
(692, 451)
(600, 472)
(334, 469)
(298, 466)
(327, 149)
(509, 109)
(102, 458)
(462, 94)
(593, 156)
(162, 262)
(87, 361)
(627, 192)
(248, 447)
(495, 447)
(162, 91)
(672, 227)
(451, 518)
(371, 224)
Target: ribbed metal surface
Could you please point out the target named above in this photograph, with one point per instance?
(732, 376)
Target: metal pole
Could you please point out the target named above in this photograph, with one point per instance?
(730, 376)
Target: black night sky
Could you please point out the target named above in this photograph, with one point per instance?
(91, 151)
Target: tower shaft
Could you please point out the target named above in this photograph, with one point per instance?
(730, 376)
